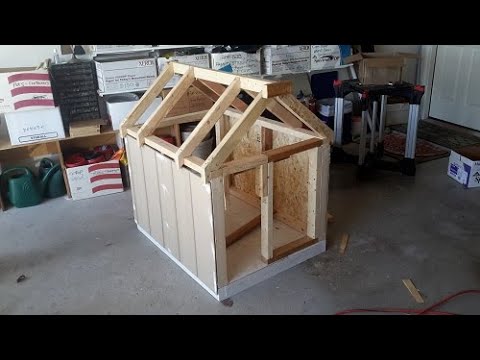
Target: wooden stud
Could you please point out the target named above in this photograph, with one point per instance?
(281, 113)
(266, 173)
(249, 199)
(413, 291)
(178, 135)
(208, 122)
(318, 180)
(166, 106)
(247, 228)
(234, 136)
(285, 152)
(218, 207)
(267, 89)
(291, 248)
(238, 166)
(162, 146)
(308, 118)
(147, 99)
(267, 139)
(214, 91)
(302, 134)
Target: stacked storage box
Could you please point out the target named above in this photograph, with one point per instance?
(75, 91)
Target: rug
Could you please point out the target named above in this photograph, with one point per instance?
(440, 135)
(425, 151)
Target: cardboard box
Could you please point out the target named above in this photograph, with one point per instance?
(464, 167)
(286, 59)
(25, 90)
(199, 60)
(380, 68)
(26, 127)
(116, 48)
(238, 62)
(126, 75)
(194, 100)
(325, 57)
(95, 180)
(117, 111)
(86, 127)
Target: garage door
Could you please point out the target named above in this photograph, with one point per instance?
(456, 85)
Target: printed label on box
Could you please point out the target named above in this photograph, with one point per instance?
(29, 90)
(128, 75)
(240, 63)
(95, 180)
(326, 57)
(199, 60)
(285, 60)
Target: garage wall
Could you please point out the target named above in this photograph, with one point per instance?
(25, 55)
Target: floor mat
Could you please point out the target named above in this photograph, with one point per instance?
(448, 138)
(425, 151)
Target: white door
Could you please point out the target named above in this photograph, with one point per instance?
(456, 85)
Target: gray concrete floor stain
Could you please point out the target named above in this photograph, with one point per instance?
(87, 257)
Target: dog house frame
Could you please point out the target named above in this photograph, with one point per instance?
(256, 206)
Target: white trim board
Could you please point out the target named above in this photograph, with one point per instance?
(428, 55)
(254, 278)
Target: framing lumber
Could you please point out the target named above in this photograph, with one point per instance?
(239, 166)
(208, 122)
(285, 152)
(214, 91)
(413, 291)
(266, 176)
(280, 112)
(293, 247)
(236, 235)
(147, 99)
(280, 127)
(236, 133)
(308, 118)
(267, 89)
(166, 106)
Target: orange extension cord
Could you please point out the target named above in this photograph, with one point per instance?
(428, 311)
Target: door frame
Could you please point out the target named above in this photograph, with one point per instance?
(426, 73)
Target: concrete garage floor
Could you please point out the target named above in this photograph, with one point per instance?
(88, 257)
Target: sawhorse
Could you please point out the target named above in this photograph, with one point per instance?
(373, 95)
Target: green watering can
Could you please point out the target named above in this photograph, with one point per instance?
(55, 186)
(24, 189)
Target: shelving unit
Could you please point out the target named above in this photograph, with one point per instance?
(10, 152)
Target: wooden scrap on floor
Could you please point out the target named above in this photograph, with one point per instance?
(413, 291)
(344, 243)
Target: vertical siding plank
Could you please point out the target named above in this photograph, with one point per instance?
(186, 231)
(204, 236)
(218, 203)
(138, 184)
(169, 211)
(153, 198)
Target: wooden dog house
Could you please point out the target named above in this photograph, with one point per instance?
(256, 206)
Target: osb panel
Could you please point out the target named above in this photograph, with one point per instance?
(290, 183)
(249, 145)
(290, 176)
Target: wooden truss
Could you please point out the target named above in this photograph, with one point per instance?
(275, 97)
